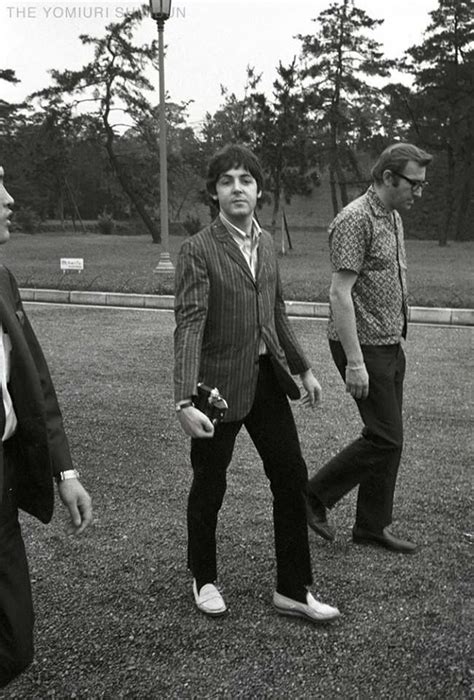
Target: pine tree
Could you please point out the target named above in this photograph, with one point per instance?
(282, 139)
(443, 105)
(341, 62)
(114, 80)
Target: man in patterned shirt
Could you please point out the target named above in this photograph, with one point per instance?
(368, 319)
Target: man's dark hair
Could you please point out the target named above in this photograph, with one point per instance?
(396, 157)
(233, 156)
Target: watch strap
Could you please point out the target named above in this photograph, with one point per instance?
(186, 403)
(68, 474)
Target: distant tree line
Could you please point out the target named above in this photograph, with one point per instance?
(332, 109)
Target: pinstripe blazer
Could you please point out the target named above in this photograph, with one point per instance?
(221, 314)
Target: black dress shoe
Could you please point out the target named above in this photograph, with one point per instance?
(316, 517)
(384, 539)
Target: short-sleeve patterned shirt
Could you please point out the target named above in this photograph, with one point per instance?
(367, 238)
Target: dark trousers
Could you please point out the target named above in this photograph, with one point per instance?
(373, 459)
(272, 429)
(16, 608)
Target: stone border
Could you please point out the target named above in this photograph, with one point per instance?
(416, 314)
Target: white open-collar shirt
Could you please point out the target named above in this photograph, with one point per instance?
(5, 364)
(248, 243)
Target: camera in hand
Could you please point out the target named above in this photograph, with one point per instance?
(210, 402)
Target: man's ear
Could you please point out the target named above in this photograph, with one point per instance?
(387, 177)
(259, 194)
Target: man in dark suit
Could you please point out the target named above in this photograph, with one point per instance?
(34, 450)
(232, 332)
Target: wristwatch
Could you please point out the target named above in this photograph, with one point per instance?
(186, 403)
(68, 474)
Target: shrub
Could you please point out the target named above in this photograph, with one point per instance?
(192, 224)
(106, 223)
(176, 228)
(28, 220)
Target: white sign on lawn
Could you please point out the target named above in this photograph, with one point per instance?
(72, 264)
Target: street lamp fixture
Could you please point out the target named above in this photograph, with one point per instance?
(160, 11)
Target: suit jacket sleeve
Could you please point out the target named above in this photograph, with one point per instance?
(297, 361)
(191, 303)
(57, 440)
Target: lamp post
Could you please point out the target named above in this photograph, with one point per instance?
(160, 11)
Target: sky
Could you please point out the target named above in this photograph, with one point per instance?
(209, 42)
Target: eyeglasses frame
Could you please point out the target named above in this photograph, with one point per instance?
(416, 185)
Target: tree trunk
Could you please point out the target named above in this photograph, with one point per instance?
(136, 201)
(75, 208)
(462, 232)
(116, 167)
(332, 183)
(352, 158)
(336, 163)
(342, 184)
(60, 208)
(277, 187)
(177, 212)
(464, 188)
(443, 239)
(276, 209)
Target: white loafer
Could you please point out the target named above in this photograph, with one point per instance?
(209, 600)
(311, 610)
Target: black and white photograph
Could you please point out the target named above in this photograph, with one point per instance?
(236, 349)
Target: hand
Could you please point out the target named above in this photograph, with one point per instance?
(195, 423)
(79, 504)
(357, 382)
(313, 389)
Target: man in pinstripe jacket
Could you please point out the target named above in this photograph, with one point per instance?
(232, 332)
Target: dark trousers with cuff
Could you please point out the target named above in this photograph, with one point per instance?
(16, 608)
(271, 426)
(371, 461)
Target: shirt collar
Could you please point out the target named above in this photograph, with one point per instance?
(237, 232)
(378, 207)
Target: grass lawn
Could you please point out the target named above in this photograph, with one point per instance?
(437, 276)
(115, 616)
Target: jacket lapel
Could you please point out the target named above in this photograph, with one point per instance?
(265, 256)
(12, 325)
(25, 385)
(223, 236)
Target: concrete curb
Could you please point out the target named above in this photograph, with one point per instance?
(308, 309)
